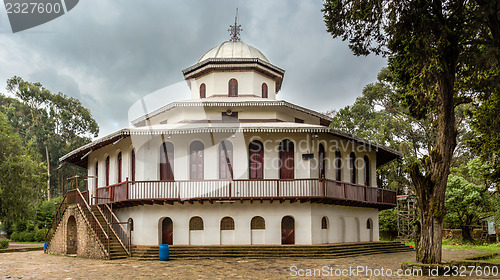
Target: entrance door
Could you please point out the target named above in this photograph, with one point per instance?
(287, 230)
(167, 231)
(286, 159)
(71, 237)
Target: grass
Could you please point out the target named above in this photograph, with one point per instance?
(19, 242)
(450, 243)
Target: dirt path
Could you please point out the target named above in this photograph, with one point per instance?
(36, 265)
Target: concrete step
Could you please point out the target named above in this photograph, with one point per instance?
(294, 251)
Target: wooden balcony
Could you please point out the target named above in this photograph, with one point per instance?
(132, 193)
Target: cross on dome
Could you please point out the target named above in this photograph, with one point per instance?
(235, 29)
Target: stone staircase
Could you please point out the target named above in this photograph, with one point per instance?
(116, 250)
(326, 251)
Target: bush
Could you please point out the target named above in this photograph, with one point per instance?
(27, 236)
(40, 235)
(4, 244)
(15, 236)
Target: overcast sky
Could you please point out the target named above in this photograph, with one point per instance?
(111, 54)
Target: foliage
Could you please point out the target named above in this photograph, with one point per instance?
(46, 211)
(388, 220)
(22, 175)
(15, 236)
(4, 244)
(486, 126)
(51, 121)
(39, 235)
(442, 54)
(465, 203)
(378, 116)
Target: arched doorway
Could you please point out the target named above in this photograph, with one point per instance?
(321, 161)
(167, 231)
(287, 165)
(369, 226)
(324, 230)
(71, 237)
(287, 230)
(197, 160)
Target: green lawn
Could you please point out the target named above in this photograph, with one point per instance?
(19, 242)
(448, 243)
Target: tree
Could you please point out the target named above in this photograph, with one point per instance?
(55, 123)
(22, 175)
(465, 202)
(437, 52)
(379, 116)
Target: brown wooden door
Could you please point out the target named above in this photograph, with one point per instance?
(167, 161)
(287, 230)
(287, 160)
(196, 158)
(256, 160)
(167, 232)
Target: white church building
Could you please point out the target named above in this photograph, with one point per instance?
(235, 165)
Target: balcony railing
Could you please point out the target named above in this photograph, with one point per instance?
(334, 191)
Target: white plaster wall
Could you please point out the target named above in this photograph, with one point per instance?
(337, 231)
(147, 221)
(249, 83)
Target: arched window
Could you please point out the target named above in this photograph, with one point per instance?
(324, 223)
(203, 91)
(367, 170)
(369, 224)
(225, 160)
(107, 171)
(96, 174)
(167, 161)
(352, 167)
(196, 158)
(227, 223)
(321, 159)
(338, 166)
(131, 224)
(132, 164)
(256, 160)
(119, 163)
(233, 87)
(264, 90)
(196, 223)
(286, 152)
(258, 223)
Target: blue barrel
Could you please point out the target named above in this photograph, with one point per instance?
(164, 252)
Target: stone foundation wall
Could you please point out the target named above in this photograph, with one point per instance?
(86, 244)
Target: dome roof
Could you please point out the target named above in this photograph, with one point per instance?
(231, 49)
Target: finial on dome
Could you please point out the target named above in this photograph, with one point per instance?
(235, 29)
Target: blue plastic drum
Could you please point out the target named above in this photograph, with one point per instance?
(164, 252)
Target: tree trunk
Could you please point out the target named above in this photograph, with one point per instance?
(431, 187)
(467, 234)
(48, 172)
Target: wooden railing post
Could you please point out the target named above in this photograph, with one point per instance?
(126, 186)
(323, 184)
(109, 253)
(277, 188)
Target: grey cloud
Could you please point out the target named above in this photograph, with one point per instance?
(110, 54)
